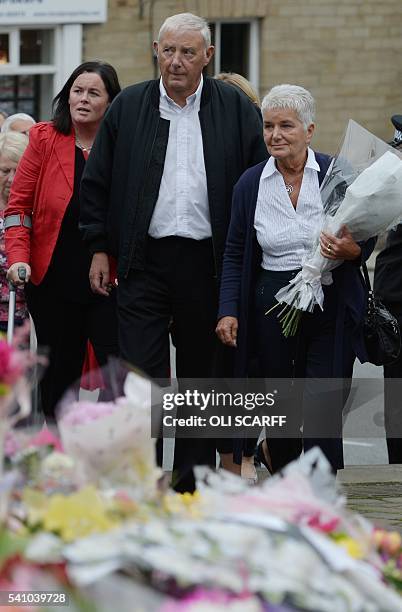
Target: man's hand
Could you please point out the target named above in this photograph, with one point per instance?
(99, 276)
(226, 330)
(343, 247)
(12, 273)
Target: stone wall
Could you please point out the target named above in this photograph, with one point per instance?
(347, 52)
(125, 40)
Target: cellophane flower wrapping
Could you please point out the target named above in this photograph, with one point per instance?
(362, 190)
(290, 542)
(110, 441)
(19, 366)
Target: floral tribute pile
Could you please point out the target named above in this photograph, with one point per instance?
(16, 363)
(88, 516)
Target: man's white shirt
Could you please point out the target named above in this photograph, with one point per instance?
(182, 206)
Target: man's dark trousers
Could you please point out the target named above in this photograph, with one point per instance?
(178, 283)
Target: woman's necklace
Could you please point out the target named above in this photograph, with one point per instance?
(291, 186)
(296, 177)
(81, 146)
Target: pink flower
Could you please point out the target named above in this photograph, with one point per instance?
(11, 366)
(82, 413)
(12, 444)
(46, 438)
(328, 526)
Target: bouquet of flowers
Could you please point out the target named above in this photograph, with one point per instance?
(363, 191)
(35, 587)
(111, 442)
(290, 543)
(15, 362)
(16, 372)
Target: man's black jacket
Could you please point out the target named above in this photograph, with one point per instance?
(122, 177)
(388, 270)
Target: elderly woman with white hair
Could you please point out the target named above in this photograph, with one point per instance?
(277, 212)
(12, 147)
(19, 122)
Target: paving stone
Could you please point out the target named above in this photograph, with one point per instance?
(375, 492)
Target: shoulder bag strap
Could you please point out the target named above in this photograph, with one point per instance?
(366, 277)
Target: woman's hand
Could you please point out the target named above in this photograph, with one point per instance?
(343, 247)
(99, 274)
(226, 330)
(13, 276)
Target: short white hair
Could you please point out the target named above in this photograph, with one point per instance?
(293, 97)
(16, 117)
(13, 145)
(186, 21)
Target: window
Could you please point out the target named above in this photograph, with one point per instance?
(237, 49)
(4, 49)
(36, 46)
(20, 94)
(27, 66)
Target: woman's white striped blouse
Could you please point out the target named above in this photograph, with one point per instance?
(286, 235)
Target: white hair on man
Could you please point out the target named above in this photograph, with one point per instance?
(292, 97)
(186, 21)
(16, 117)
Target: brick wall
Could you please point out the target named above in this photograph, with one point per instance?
(347, 52)
(125, 40)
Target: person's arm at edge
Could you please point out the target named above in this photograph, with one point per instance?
(94, 200)
(231, 272)
(21, 200)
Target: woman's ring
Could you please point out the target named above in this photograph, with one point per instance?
(329, 247)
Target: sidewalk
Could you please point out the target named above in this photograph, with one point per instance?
(375, 492)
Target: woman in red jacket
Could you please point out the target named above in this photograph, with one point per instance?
(42, 232)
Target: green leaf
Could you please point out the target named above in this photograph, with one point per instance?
(10, 545)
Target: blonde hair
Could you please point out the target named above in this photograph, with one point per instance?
(13, 145)
(242, 83)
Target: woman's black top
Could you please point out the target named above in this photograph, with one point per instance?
(68, 271)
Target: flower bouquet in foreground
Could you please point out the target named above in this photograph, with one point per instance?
(289, 544)
(17, 367)
(35, 587)
(110, 441)
(361, 190)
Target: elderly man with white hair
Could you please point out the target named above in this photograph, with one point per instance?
(19, 122)
(156, 194)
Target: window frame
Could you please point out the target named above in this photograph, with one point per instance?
(14, 66)
(254, 46)
(65, 56)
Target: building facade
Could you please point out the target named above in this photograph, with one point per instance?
(40, 45)
(347, 52)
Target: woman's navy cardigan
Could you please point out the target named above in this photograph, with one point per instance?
(242, 262)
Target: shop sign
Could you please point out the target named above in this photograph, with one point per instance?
(32, 12)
